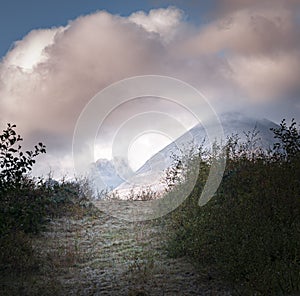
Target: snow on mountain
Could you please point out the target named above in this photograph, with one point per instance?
(150, 175)
(233, 123)
(103, 175)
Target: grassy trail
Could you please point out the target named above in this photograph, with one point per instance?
(96, 254)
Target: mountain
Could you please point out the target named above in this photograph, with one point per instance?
(233, 123)
(150, 175)
(104, 174)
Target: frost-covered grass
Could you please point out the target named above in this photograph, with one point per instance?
(249, 232)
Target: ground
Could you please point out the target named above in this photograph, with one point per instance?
(93, 253)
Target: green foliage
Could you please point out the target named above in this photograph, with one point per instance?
(17, 253)
(23, 210)
(23, 202)
(26, 204)
(250, 231)
(289, 140)
(14, 164)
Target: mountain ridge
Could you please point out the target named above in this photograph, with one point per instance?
(152, 171)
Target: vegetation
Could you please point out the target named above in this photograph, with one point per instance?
(249, 232)
(26, 204)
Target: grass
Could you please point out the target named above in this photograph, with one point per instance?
(249, 233)
(25, 214)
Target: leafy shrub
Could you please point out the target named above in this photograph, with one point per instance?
(14, 164)
(67, 198)
(289, 140)
(23, 210)
(17, 253)
(250, 231)
(23, 204)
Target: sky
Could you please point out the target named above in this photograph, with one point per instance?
(56, 55)
(17, 17)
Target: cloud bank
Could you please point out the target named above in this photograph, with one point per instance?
(245, 57)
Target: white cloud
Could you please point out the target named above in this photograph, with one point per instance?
(267, 78)
(29, 52)
(246, 56)
(164, 22)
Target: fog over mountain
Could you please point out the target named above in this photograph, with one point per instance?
(150, 175)
(242, 55)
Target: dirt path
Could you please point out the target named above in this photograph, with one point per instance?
(101, 255)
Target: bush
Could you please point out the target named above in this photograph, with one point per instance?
(250, 231)
(288, 146)
(17, 254)
(23, 204)
(14, 164)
